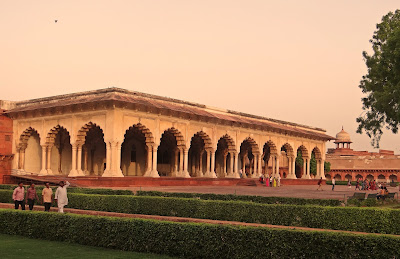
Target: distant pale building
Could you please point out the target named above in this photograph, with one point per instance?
(347, 163)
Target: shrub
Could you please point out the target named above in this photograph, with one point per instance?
(248, 198)
(370, 220)
(191, 240)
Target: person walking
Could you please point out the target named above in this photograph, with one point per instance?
(31, 196)
(61, 196)
(333, 184)
(320, 184)
(358, 185)
(349, 183)
(47, 197)
(18, 196)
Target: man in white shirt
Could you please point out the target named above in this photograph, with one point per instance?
(333, 184)
(61, 196)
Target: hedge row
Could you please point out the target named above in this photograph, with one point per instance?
(190, 240)
(369, 220)
(248, 198)
(353, 183)
(74, 190)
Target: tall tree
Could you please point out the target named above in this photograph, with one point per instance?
(381, 84)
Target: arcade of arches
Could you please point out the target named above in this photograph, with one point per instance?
(161, 138)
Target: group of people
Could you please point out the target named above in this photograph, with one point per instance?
(20, 197)
(367, 185)
(270, 181)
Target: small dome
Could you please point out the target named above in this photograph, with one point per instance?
(343, 137)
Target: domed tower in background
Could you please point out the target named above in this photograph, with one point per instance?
(343, 140)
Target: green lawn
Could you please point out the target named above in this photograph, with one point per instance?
(22, 247)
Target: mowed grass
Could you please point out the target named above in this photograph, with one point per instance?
(22, 247)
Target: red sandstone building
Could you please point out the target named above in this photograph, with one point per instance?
(6, 132)
(347, 163)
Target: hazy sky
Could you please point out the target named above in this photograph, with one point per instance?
(298, 61)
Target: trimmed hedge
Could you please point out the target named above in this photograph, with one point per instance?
(248, 198)
(371, 220)
(73, 190)
(353, 183)
(191, 240)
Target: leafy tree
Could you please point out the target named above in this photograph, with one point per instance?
(382, 82)
(327, 167)
(299, 159)
(313, 165)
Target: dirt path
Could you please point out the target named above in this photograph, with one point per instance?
(181, 219)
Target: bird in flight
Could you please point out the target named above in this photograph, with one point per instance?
(55, 21)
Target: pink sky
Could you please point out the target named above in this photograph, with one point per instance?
(298, 61)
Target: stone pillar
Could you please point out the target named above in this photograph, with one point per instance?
(176, 172)
(277, 166)
(231, 173)
(212, 172)
(107, 170)
(272, 165)
(117, 160)
(208, 171)
(149, 160)
(304, 176)
(16, 160)
(244, 166)
(259, 165)
(236, 166)
(79, 161)
(22, 159)
(152, 162)
(48, 167)
(201, 173)
(180, 162)
(308, 169)
(73, 171)
(185, 172)
(224, 168)
(43, 171)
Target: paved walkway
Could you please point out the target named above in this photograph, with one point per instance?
(297, 191)
(182, 219)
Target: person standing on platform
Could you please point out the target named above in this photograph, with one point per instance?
(18, 196)
(274, 182)
(333, 184)
(47, 197)
(31, 196)
(61, 196)
(267, 181)
(278, 182)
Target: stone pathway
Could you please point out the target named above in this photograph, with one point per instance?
(183, 220)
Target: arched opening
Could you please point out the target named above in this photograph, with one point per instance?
(29, 146)
(302, 164)
(315, 162)
(381, 178)
(370, 177)
(224, 157)
(269, 153)
(58, 141)
(199, 146)
(328, 177)
(359, 177)
(170, 154)
(250, 158)
(348, 177)
(338, 177)
(286, 159)
(393, 178)
(93, 154)
(136, 151)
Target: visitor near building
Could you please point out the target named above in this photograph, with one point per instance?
(47, 197)
(18, 196)
(61, 196)
(31, 196)
(333, 184)
(319, 185)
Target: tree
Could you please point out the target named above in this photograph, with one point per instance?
(313, 164)
(381, 84)
(299, 159)
(327, 167)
